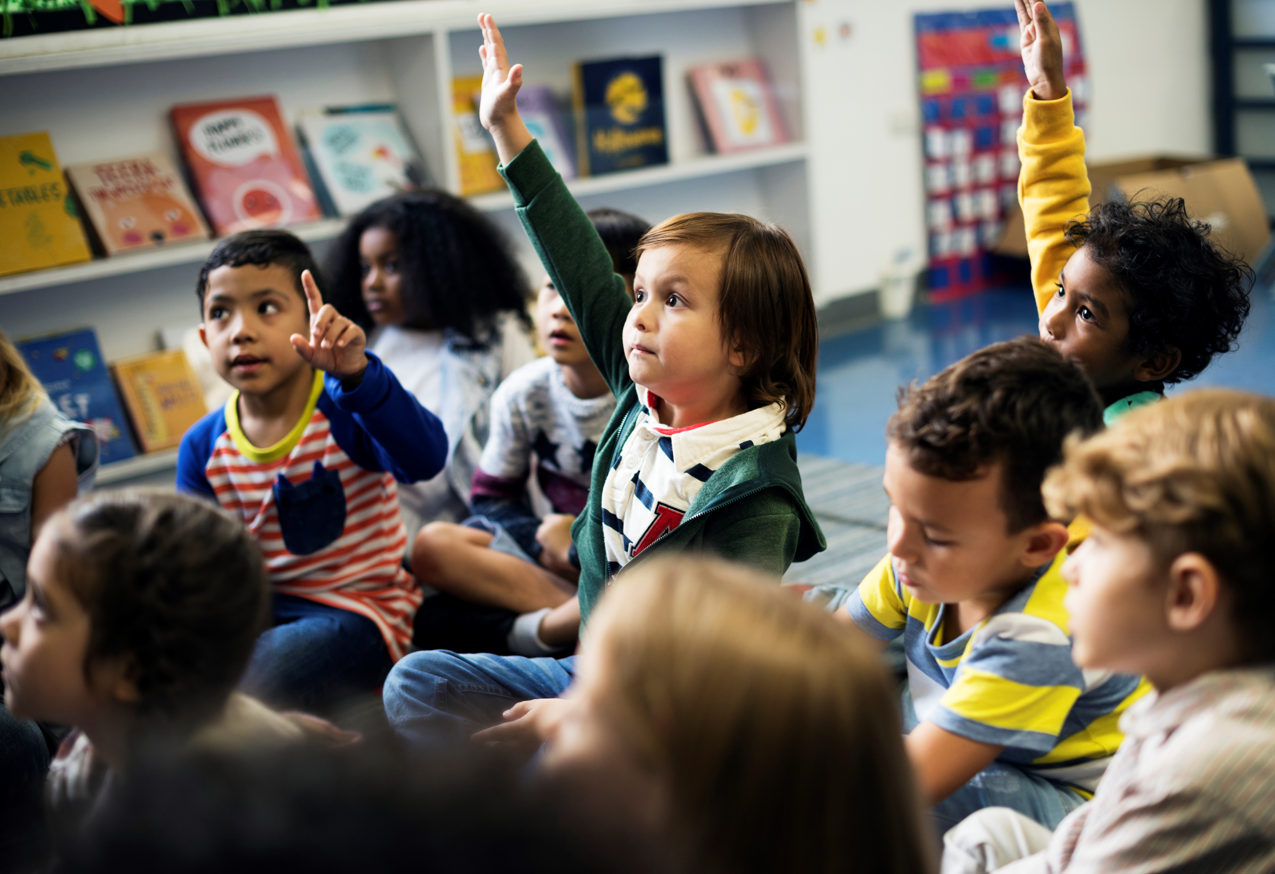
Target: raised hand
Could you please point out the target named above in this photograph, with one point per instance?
(336, 345)
(497, 108)
(1042, 49)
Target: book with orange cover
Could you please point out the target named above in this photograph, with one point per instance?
(475, 151)
(39, 226)
(737, 106)
(137, 203)
(163, 397)
(244, 165)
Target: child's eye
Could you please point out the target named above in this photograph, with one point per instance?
(1086, 314)
(674, 300)
(1059, 286)
(217, 313)
(638, 295)
(391, 266)
(364, 269)
(932, 542)
(268, 308)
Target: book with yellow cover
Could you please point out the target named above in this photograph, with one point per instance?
(39, 225)
(474, 149)
(162, 395)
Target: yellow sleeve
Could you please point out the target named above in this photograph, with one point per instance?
(877, 606)
(1053, 186)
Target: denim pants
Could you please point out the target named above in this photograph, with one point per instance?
(438, 698)
(315, 656)
(1002, 785)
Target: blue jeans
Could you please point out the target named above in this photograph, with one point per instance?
(1001, 785)
(438, 697)
(315, 656)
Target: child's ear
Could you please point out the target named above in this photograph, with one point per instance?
(203, 335)
(116, 678)
(740, 358)
(1158, 365)
(1194, 592)
(1044, 541)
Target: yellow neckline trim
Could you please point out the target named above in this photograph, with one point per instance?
(284, 446)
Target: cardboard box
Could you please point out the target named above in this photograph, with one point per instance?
(1220, 192)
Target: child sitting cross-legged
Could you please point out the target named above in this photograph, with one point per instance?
(712, 364)
(996, 712)
(548, 416)
(307, 453)
(1136, 293)
(1173, 582)
(139, 616)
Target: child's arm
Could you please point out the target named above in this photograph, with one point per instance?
(944, 762)
(394, 432)
(570, 249)
(1053, 185)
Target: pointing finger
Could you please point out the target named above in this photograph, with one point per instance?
(313, 300)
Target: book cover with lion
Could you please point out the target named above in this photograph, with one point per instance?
(137, 203)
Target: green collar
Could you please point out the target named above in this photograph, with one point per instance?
(1125, 404)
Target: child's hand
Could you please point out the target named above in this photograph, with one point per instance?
(554, 536)
(527, 725)
(498, 107)
(1042, 49)
(336, 345)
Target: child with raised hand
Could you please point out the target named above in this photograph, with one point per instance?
(1136, 293)
(1173, 582)
(712, 364)
(307, 452)
(548, 417)
(440, 293)
(996, 712)
(739, 726)
(139, 616)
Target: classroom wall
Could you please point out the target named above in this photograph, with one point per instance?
(1149, 76)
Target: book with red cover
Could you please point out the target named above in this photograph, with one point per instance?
(737, 106)
(244, 165)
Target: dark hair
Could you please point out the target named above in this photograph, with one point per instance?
(457, 268)
(1013, 403)
(1183, 290)
(765, 307)
(621, 232)
(260, 249)
(171, 583)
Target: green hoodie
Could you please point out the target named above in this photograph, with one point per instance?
(751, 509)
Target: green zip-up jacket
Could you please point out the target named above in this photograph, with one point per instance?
(751, 509)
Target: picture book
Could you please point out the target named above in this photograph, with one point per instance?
(39, 225)
(357, 155)
(163, 397)
(619, 107)
(244, 166)
(70, 368)
(737, 107)
(475, 151)
(548, 122)
(136, 203)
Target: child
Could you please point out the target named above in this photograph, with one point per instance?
(309, 464)
(139, 616)
(740, 725)
(1173, 582)
(995, 709)
(438, 289)
(1136, 293)
(549, 414)
(713, 368)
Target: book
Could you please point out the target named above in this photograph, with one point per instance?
(548, 122)
(70, 368)
(243, 164)
(163, 397)
(475, 151)
(619, 107)
(736, 106)
(136, 203)
(357, 155)
(39, 225)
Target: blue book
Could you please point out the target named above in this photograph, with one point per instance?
(619, 107)
(71, 369)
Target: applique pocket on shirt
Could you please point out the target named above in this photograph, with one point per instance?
(312, 513)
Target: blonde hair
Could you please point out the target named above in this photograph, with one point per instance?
(778, 734)
(20, 391)
(1195, 473)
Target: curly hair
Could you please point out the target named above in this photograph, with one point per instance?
(1183, 290)
(1013, 403)
(1194, 473)
(260, 249)
(458, 269)
(174, 585)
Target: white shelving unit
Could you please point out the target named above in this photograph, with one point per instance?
(105, 93)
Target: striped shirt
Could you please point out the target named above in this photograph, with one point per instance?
(1192, 789)
(1008, 681)
(341, 543)
(659, 471)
